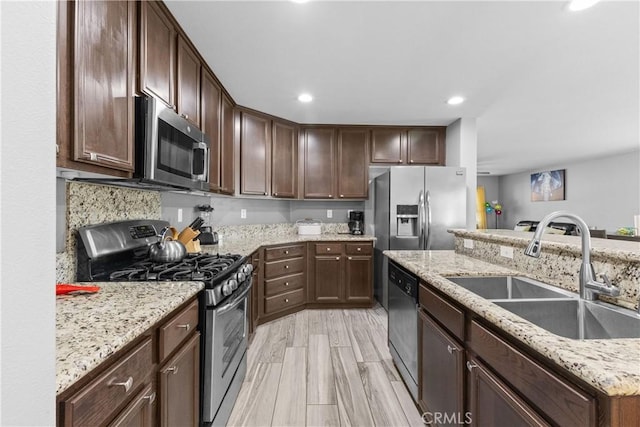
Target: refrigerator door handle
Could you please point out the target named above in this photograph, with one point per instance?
(421, 213)
(427, 226)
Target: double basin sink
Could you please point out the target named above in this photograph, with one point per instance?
(555, 310)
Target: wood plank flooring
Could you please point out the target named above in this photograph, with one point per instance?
(323, 368)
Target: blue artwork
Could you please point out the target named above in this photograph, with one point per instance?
(547, 186)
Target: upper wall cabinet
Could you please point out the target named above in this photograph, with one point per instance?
(211, 98)
(227, 123)
(284, 160)
(353, 167)
(96, 75)
(188, 94)
(157, 52)
(414, 146)
(319, 163)
(255, 154)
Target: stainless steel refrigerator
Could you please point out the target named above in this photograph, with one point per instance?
(413, 208)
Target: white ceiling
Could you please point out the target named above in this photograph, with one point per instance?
(547, 86)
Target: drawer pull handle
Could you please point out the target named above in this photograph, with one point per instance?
(471, 365)
(359, 249)
(286, 252)
(451, 349)
(186, 327)
(337, 258)
(173, 370)
(286, 267)
(286, 283)
(151, 397)
(127, 384)
(286, 300)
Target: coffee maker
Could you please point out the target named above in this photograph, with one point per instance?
(356, 222)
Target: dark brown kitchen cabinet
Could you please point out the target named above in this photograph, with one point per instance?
(227, 121)
(157, 52)
(426, 146)
(353, 163)
(103, 79)
(256, 285)
(211, 98)
(492, 403)
(284, 160)
(284, 286)
(140, 412)
(179, 386)
(441, 367)
(387, 145)
(255, 154)
(188, 82)
(319, 163)
(341, 273)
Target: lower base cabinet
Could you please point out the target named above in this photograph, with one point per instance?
(140, 411)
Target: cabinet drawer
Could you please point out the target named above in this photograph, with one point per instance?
(279, 268)
(561, 401)
(283, 284)
(95, 402)
(283, 301)
(448, 315)
(328, 248)
(358, 248)
(281, 252)
(177, 329)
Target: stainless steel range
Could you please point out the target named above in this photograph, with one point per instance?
(119, 251)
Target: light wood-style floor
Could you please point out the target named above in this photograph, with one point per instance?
(324, 368)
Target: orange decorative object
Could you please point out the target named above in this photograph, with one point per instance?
(64, 288)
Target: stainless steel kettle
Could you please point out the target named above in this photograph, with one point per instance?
(167, 249)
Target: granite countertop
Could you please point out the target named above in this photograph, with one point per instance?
(246, 246)
(92, 327)
(611, 366)
(600, 248)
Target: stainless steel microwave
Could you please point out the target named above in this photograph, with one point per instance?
(169, 149)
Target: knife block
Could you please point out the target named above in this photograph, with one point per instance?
(193, 246)
(186, 236)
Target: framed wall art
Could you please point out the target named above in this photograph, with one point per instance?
(548, 186)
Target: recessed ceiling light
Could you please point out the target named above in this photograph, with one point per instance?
(577, 5)
(455, 100)
(305, 97)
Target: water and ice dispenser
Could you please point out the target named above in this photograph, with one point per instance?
(407, 220)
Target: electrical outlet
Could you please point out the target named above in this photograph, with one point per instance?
(506, 251)
(179, 215)
(243, 213)
(329, 213)
(468, 243)
(349, 213)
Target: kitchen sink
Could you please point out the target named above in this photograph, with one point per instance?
(509, 287)
(576, 318)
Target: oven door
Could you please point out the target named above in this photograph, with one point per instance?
(225, 345)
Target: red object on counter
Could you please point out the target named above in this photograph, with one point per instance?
(64, 288)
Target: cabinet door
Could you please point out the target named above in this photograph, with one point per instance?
(180, 386)
(255, 151)
(441, 371)
(319, 163)
(103, 83)
(426, 146)
(226, 147)
(492, 403)
(327, 279)
(387, 146)
(157, 52)
(358, 283)
(188, 100)
(211, 99)
(353, 163)
(139, 413)
(284, 160)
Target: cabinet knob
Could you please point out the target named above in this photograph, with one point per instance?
(328, 249)
(186, 327)
(471, 365)
(127, 384)
(286, 252)
(451, 349)
(151, 397)
(286, 300)
(275, 194)
(330, 195)
(265, 193)
(286, 267)
(94, 157)
(400, 161)
(342, 195)
(286, 283)
(184, 116)
(349, 257)
(337, 258)
(173, 370)
(359, 249)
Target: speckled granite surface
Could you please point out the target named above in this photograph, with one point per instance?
(235, 232)
(92, 327)
(612, 366)
(561, 258)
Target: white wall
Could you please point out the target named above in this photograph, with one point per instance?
(605, 192)
(28, 212)
(462, 150)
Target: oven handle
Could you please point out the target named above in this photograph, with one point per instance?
(233, 304)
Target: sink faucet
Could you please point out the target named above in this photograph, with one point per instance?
(589, 286)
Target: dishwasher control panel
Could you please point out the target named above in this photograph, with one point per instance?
(402, 279)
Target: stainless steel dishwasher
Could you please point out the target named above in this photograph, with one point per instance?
(403, 324)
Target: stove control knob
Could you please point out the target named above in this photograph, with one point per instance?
(239, 277)
(247, 269)
(233, 283)
(229, 287)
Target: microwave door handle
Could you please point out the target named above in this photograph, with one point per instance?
(200, 164)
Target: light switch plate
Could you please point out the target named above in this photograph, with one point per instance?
(329, 213)
(506, 251)
(468, 243)
(179, 215)
(243, 213)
